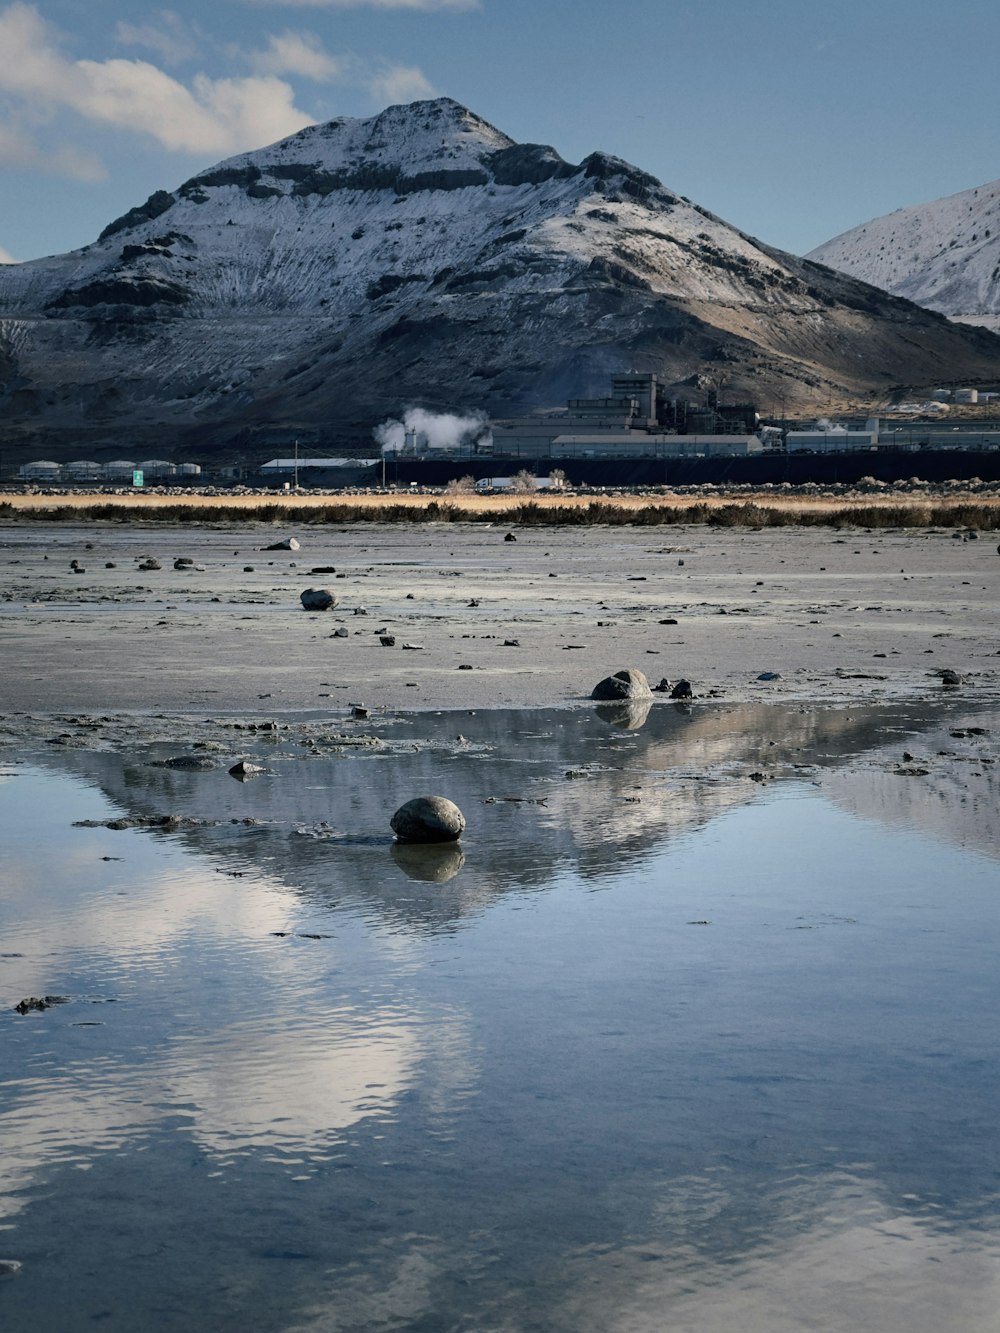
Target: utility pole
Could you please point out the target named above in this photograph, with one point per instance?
(296, 465)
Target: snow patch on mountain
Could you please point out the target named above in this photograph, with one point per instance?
(944, 255)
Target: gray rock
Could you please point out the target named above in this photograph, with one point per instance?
(10, 1267)
(341, 632)
(317, 599)
(682, 690)
(627, 684)
(950, 679)
(769, 675)
(510, 537)
(428, 819)
(244, 769)
(183, 562)
(192, 763)
(150, 563)
(288, 544)
(387, 640)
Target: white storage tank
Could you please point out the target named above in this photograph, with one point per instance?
(83, 470)
(42, 470)
(188, 470)
(119, 469)
(966, 395)
(156, 467)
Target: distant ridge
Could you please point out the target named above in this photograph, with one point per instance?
(944, 255)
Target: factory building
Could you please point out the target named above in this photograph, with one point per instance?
(637, 444)
(638, 419)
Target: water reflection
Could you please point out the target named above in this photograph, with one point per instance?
(628, 716)
(719, 1057)
(434, 864)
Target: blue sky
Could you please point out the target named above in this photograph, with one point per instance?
(791, 119)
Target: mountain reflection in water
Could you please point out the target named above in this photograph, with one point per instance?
(662, 1046)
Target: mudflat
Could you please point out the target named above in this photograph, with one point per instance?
(455, 615)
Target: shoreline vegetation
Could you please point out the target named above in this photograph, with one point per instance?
(877, 510)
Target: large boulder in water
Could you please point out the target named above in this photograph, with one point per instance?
(627, 684)
(317, 599)
(428, 819)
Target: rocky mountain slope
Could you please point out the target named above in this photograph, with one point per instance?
(422, 258)
(944, 255)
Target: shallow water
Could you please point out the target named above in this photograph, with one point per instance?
(660, 1047)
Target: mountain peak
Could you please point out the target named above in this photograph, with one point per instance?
(423, 257)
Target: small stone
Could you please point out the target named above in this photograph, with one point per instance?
(950, 679)
(149, 564)
(769, 675)
(682, 690)
(361, 610)
(428, 819)
(465, 666)
(510, 537)
(414, 647)
(110, 564)
(10, 1267)
(34, 1004)
(512, 643)
(341, 632)
(576, 773)
(323, 569)
(247, 569)
(387, 640)
(670, 620)
(288, 544)
(244, 769)
(361, 710)
(317, 599)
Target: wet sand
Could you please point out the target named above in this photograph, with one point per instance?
(833, 614)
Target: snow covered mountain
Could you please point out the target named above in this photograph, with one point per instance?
(422, 258)
(944, 255)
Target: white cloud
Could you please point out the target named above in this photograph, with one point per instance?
(172, 37)
(400, 83)
(210, 116)
(299, 53)
(6, 257)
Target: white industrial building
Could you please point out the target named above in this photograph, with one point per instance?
(837, 440)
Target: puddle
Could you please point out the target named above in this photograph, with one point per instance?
(703, 1039)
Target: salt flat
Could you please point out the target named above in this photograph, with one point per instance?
(533, 622)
